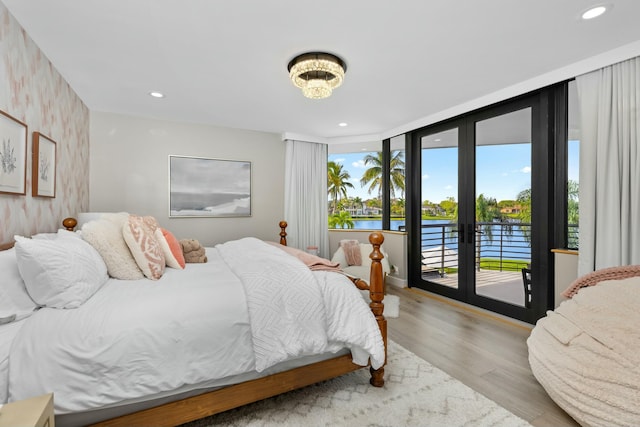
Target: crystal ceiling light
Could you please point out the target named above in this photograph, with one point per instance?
(317, 73)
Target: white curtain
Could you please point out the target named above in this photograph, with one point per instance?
(305, 195)
(609, 166)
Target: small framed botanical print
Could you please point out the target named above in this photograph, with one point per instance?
(13, 155)
(43, 170)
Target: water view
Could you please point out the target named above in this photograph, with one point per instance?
(497, 240)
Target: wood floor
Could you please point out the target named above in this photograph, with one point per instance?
(485, 352)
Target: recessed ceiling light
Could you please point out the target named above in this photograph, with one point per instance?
(594, 12)
(156, 94)
(343, 124)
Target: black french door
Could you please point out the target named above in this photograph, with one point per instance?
(489, 174)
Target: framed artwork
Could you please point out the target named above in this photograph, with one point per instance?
(13, 155)
(202, 187)
(43, 168)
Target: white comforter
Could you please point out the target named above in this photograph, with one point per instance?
(586, 354)
(288, 308)
(134, 340)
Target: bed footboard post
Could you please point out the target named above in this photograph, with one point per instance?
(376, 293)
(283, 233)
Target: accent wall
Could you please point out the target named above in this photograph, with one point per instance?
(32, 91)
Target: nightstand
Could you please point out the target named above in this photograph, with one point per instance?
(34, 412)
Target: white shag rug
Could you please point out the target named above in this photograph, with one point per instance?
(415, 394)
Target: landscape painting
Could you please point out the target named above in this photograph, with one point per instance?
(203, 187)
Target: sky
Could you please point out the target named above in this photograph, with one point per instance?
(502, 171)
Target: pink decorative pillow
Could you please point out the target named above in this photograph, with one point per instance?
(351, 250)
(171, 248)
(139, 234)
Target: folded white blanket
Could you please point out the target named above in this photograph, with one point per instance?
(285, 304)
(295, 311)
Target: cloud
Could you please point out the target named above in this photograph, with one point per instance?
(505, 174)
(358, 164)
(526, 169)
(448, 187)
(425, 176)
(340, 160)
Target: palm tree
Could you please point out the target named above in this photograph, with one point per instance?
(573, 213)
(357, 203)
(373, 175)
(524, 199)
(341, 220)
(338, 181)
(486, 211)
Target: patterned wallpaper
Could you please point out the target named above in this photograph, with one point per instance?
(32, 90)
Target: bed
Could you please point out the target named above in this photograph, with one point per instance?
(183, 346)
(586, 353)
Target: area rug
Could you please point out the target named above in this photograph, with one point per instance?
(415, 394)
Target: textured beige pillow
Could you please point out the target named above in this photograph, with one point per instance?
(139, 233)
(106, 237)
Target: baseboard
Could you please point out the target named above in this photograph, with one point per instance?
(398, 282)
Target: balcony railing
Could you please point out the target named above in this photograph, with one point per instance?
(502, 246)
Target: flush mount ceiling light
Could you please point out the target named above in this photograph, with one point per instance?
(317, 73)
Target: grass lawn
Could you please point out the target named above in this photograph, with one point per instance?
(507, 264)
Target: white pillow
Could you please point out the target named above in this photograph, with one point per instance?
(14, 298)
(105, 235)
(52, 236)
(45, 236)
(60, 273)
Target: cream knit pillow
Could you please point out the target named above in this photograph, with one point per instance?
(106, 237)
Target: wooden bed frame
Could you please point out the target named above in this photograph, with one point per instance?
(233, 396)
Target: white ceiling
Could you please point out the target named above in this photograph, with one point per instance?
(223, 62)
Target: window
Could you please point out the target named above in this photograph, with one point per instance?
(397, 187)
(355, 186)
(573, 167)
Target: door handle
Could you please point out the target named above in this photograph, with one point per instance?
(461, 233)
(470, 233)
